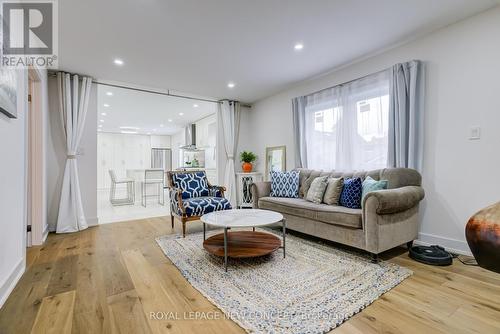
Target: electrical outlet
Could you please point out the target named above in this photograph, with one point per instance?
(475, 133)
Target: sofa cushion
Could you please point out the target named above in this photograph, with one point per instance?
(333, 190)
(317, 189)
(369, 185)
(285, 184)
(330, 214)
(351, 193)
(201, 205)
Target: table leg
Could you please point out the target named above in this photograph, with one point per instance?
(225, 249)
(253, 228)
(284, 236)
(204, 231)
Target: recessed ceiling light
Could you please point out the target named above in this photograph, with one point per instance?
(129, 132)
(231, 85)
(129, 128)
(149, 133)
(109, 94)
(161, 125)
(103, 114)
(170, 120)
(100, 125)
(195, 105)
(101, 120)
(118, 62)
(106, 105)
(181, 113)
(298, 46)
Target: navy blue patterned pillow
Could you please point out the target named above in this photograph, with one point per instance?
(285, 184)
(351, 193)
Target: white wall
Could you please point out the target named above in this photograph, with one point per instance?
(459, 175)
(13, 150)
(177, 141)
(56, 158)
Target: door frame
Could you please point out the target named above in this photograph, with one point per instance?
(35, 193)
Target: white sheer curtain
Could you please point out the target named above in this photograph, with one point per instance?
(346, 126)
(229, 114)
(73, 105)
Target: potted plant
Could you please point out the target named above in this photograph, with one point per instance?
(247, 158)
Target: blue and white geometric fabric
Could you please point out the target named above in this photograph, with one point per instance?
(285, 184)
(191, 184)
(351, 193)
(202, 205)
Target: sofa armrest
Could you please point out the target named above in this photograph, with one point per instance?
(393, 200)
(260, 189)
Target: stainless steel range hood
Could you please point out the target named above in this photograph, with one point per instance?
(190, 138)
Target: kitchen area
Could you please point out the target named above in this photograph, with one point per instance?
(135, 151)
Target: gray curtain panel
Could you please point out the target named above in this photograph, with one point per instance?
(406, 115)
(299, 131)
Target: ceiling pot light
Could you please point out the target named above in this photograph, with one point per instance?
(103, 114)
(195, 105)
(118, 62)
(101, 120)
(106, 105)
(298, 46)
(231, 85)
(100, 125)
(109, 94)
(129, 128)
(149, 133)
(181, 113)
(129, 132)
(170, 120)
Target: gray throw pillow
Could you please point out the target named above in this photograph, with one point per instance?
(333, 191)
(317, 189)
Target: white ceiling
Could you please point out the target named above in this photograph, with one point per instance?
(147, 111)
(198, 46)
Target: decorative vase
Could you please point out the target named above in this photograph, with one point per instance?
(483, 236)
(247, 167)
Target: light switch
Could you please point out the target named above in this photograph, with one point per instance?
(475, 133)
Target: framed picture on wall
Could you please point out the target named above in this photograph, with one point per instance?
(275, 159)
(8, 95)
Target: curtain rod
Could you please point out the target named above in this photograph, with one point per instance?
(167, 93)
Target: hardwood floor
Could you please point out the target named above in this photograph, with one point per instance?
(108, 279)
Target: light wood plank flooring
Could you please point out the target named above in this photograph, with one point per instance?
(108, 279)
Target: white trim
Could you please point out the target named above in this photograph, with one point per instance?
(451, 245)
(9, 284)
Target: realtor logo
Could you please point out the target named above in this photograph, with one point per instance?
(29, 34)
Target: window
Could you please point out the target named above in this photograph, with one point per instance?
(346, 127)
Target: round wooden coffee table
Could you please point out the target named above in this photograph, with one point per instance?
(242, 244)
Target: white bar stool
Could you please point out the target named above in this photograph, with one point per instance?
(130, 198)
(153, 177)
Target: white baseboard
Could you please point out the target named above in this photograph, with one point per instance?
(451, 245)
(10, 283)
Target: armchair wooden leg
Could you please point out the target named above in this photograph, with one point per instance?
(183, 229)
(409, 244)
(374, 258)
(172, 220)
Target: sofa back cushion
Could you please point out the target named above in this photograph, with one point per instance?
(333, 190)
(285, 184)
(192, 184)
(396, 177)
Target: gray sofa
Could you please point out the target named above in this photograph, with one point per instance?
(389, 218)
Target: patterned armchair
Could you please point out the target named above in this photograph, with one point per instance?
(192, 196)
